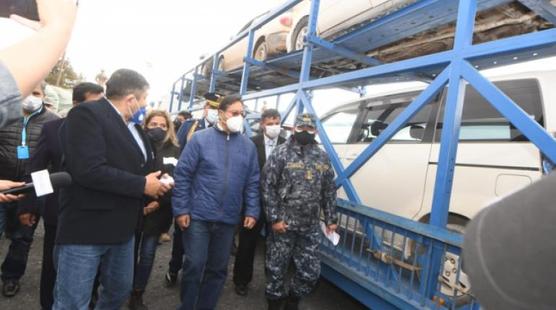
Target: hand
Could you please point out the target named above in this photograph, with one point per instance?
(153, 186)
(6, 184)
(27, 219)
(57, 12)
(9, 197)
(280, 227)
(151, 207)
(249, 222)
(331, 228)
(183, 221)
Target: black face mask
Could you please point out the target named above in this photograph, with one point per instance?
(304, 137)
(156, 134)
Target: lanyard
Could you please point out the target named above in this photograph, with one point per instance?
(24, 130)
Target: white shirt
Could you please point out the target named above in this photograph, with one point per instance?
(133, 131)
(269, 145)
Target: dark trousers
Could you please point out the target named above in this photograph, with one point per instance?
(48, 273)
(243, 265)
(176, 262)
(21, 238)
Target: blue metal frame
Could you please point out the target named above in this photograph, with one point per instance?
(455, 68)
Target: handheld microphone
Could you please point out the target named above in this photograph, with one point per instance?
(58, 180)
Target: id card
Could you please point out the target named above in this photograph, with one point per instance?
(23, 152)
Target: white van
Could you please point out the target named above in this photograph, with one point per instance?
(494, 158)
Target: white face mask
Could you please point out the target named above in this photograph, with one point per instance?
(272, 131)
(31, 103)
(235, 124)
(212, 116)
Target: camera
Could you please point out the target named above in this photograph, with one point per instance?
(24, 8)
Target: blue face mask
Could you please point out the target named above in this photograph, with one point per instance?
(139, 116)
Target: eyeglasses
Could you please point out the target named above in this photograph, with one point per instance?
(308, 129)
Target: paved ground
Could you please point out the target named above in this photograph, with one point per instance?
(157, 296)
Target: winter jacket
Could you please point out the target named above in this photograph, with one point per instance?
(217, 173)
(12, 168)
(160, 220)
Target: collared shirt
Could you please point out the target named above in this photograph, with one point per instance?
(133, 131)
(269, 145)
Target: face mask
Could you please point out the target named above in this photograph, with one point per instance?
(212, 116)
(272, 131)
(139, 116)
(156, 134)
(304, 137)
(31, 104)
(235, 124)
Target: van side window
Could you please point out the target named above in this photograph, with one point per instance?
(379, 117)
(482, 122)
(338, 126)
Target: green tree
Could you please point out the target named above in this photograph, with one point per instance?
(63, 75)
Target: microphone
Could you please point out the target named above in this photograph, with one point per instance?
(58, 180)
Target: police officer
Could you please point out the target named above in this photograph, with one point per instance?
(297, 182)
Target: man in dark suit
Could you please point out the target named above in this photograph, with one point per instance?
(108, 158)
(265, 143)
(48, 155)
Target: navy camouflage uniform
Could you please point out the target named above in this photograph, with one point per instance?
(297, 182)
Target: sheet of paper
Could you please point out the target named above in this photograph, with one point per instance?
(41, 182)
(169, 161)
(334, 237)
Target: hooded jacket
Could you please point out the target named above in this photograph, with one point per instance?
(216, 175)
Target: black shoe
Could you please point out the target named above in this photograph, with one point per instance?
(241, 289)
(275, 304)
(136, 301)
(171, 279)
(10, 288)
(292, 303)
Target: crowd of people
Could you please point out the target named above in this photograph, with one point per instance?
(135, 172)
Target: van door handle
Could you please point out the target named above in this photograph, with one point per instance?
(352, 156)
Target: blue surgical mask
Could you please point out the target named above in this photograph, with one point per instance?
(139, 116)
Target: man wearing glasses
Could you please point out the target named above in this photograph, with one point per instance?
(216, 175)
(297, 182)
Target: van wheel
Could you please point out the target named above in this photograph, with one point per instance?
(299, 33)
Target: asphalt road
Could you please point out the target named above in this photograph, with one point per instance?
(157, 296)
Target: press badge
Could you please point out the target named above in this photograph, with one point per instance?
(23, 152)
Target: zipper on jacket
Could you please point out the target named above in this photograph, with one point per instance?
(226, 173)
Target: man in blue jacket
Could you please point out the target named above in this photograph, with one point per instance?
(218, 173)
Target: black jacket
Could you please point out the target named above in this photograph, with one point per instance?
(261, 150)
(12, 168)
(160, 221)
(103, 204)
(47, 155)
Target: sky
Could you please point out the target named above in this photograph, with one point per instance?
(165, 38)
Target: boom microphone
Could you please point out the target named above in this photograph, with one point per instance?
(58, 180)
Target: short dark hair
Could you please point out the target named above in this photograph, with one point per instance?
(270, 113)
(82, 89)
(185, 114)
(228, 101)
(124, 82)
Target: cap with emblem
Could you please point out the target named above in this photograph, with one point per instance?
(213, 99)
(306, 119)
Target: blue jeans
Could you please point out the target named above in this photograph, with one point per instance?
(205, 267)
(144, 261)
(76, 267)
